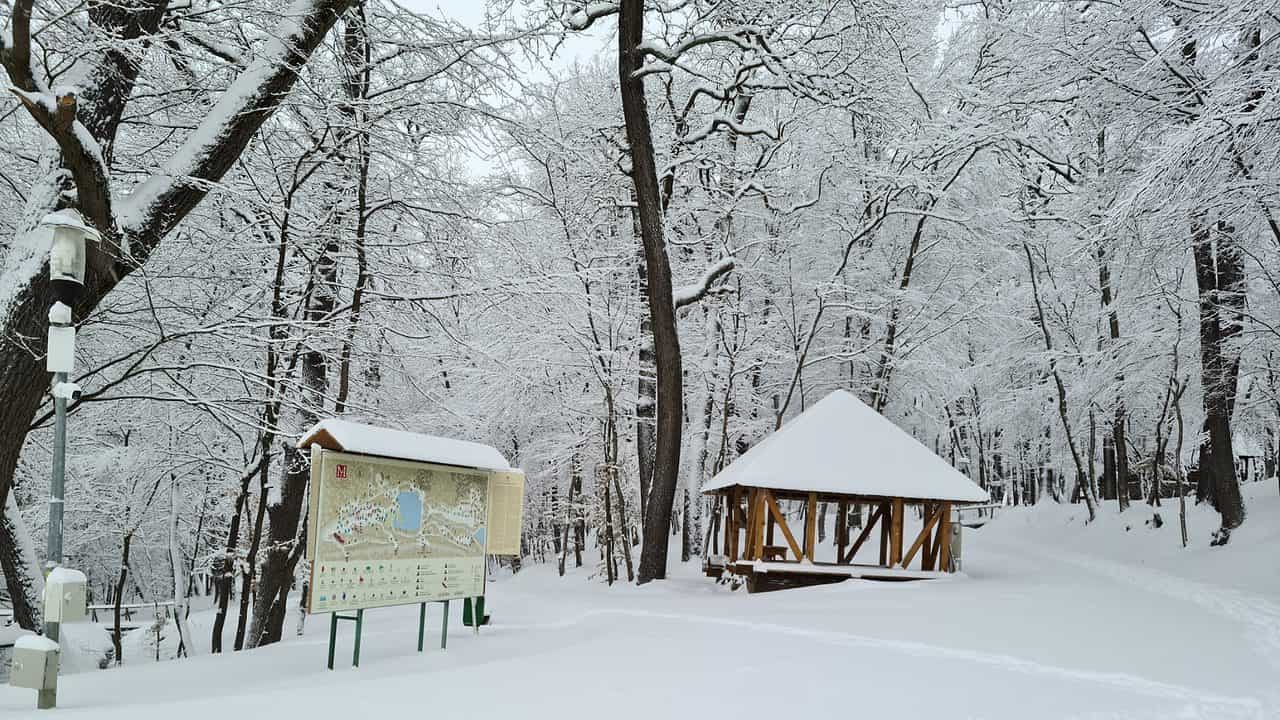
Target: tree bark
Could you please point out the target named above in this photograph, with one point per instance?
(18, 558)
(646, 392)
(1113, 325)
(124, 575)
(666, 340)
(1219, 280)
(279, 560)
(225, 568)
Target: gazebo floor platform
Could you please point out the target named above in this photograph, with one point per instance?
(763, 576)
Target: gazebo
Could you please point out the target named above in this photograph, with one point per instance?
(839, 452)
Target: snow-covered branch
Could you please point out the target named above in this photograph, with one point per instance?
(583, 16)
(690, 294)
(162, 200)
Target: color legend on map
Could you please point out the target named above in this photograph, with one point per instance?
(350, 584)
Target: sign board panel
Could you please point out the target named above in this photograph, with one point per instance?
(506, 512)
(392, 532)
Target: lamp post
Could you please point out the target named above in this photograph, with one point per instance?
(66, 276)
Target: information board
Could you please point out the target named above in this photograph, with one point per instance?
(392, 532)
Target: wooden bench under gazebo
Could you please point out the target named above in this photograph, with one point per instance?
(845, 455)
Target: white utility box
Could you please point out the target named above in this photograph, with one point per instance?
(35, 663)
(62, 350)
(66, 597)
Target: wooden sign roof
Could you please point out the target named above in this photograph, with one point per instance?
(352, 437)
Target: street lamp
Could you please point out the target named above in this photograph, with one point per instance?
(66, 254)
(66, 276)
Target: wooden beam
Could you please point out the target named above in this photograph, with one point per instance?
(749, 525)
(758, 523)
(782, 523)
(768, 520)
(866, 533)
(926, 550)
(811, 526)
(944, 539)
(884, 534)
(934, 547)
(842, 529)
(924, 535)
(731, 526)
(895, 535)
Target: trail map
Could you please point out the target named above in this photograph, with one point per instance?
(389, 532)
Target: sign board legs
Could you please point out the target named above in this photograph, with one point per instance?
(355, 654)
(444, 626)
(333, 635)
(422, 623)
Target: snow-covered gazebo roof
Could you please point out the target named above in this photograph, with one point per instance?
(352, 437)
(842, 446)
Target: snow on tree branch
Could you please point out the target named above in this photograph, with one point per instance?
(162, 200)
(690, 294)
(583, 16)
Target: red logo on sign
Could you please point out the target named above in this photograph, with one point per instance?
(341, 472)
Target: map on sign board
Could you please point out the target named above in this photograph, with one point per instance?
(391, 532)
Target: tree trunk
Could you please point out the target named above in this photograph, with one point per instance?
(124, 574)
(178, 567)
(22, 573)
(225, 568)
(606, 531)
(666, 340)
(579, 521)
(1219, 280)
(646, 391)
(279, 560)
(251, 556)
(1063, 415)
(568, 522)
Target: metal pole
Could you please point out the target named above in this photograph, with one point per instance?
(444, 626)
(422, 623)
(333, 636)
(57, 482)
(47, 699)
(355, 654)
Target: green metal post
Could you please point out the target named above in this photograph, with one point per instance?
(444, 626)
(422, 623)
(333, 637)
(355, 654)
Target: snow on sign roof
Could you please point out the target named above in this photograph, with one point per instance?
(840, 445)
(347, 436)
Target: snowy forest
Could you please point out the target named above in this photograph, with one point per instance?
(1042, 237)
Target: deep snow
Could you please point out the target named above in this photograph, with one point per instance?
(1051, 620)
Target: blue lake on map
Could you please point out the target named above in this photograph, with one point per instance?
(409, 515)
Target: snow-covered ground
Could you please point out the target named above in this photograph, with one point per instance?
(1050, 620)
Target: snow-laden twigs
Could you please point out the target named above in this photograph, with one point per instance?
(692, 293)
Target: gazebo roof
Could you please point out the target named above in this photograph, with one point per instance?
(842, 446)
(352, 437)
